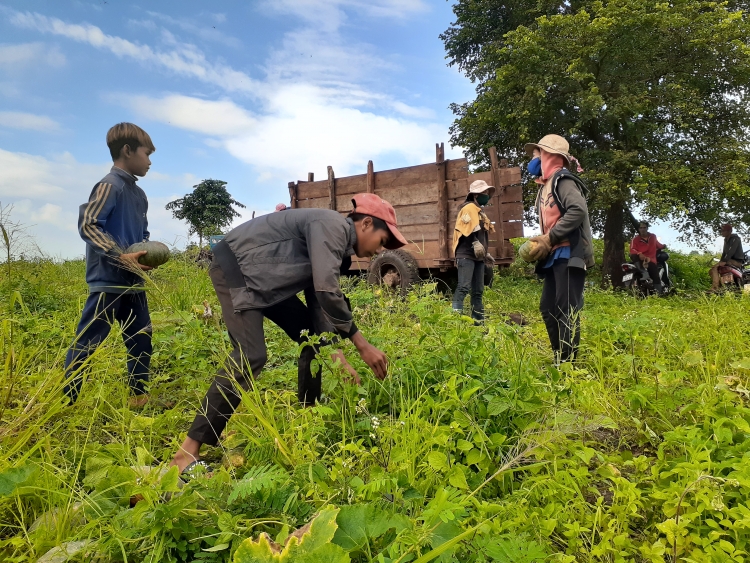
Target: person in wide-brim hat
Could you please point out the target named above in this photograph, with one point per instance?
(470, 247)
(564, 250)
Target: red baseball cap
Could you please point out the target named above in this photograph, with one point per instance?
(374, 206)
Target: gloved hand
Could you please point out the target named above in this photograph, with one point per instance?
(479, 251)
(542, 248)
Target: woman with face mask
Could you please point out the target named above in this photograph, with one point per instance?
(470, 244)
(563, 251)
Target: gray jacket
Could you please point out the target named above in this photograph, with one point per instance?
(574, 226)
(732, 249)
(273, 257)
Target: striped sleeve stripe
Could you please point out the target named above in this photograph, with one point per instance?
(92, 211)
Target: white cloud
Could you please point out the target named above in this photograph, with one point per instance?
(207, 33)
(329, 15)
(183, 59)
(300, 130)
(22, 54)
(28, 121)
(221, 118)
(38, 178)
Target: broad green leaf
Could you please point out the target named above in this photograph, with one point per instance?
(13, 477)
(218, 547)
(438, 461)
(457, 478)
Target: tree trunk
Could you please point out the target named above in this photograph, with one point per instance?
(614, 245)
(200, 241)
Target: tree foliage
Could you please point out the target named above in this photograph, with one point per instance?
(207, 210)
(652, 97)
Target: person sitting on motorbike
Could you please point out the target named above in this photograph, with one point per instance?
(643, 250)
(732, 255)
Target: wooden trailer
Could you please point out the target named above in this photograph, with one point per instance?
(426, 198)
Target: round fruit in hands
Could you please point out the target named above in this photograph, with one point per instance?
(526, 250)
(157, 253)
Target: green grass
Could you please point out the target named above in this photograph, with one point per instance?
(474, 449)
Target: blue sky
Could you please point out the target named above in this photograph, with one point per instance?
(253, 93)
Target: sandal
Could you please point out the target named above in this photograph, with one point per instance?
(189, 473)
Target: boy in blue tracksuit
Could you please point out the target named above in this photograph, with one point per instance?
(114, 218)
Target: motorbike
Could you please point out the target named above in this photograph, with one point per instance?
(734, 277)
(639, 281)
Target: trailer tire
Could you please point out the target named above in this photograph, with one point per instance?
(395, 269)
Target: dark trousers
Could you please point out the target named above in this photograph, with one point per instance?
(562, 301)
(248, 357)
(652, 268)
(99, 314)
(470, 280)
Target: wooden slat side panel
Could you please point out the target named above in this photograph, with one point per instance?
(420, 174)
(410, 195)
(420, 233)
(422, 214)
(457, 189)
(318, 203)
(308, 190)
(351, 184)
(511, 193)
(456, 169)
(513, 229)
(512, 211)
(509, 176)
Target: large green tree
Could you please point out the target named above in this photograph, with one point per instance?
(651, 95)
(207, 210)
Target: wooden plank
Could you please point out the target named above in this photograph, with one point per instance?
(422, 214)
(293, 195)
(351, 184)
(508, 176)
(511, 193)
(456, 169)
(332, 188)
(511, 211)
(513, 229)
(442, 199)
(419, 233)
(400, 177)
(414, 194)
(429, 250)
(457, 189)
(309, 190)
(317, 203)
(370, 178)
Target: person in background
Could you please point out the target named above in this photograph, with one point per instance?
(564, 251)
(257, 272)
(281, 207)
(731, 255)
(643, 249)
(470, 247)
(114, 218)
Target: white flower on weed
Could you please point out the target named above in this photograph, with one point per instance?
(402, 423)
(372, 436)
(361, 406)
(375, 422)
(304, 332)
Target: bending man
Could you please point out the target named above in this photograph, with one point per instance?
(257, 272)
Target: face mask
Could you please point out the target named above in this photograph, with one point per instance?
(534, 167)
(483, 199)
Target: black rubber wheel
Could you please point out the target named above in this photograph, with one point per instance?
(394, 268)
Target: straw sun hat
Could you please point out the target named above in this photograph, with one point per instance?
(480, 187)
(554, 144)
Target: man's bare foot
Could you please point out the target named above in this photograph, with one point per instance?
(138, 401)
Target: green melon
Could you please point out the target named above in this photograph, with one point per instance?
(526, 249)
(157, 253)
